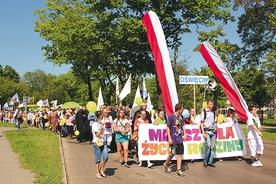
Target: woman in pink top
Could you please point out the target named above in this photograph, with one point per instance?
(70, 118)
(141, 119)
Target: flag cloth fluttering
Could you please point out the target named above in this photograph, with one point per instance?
(219, 69)
(145, 93)
(40, 103)
(162, 60)
(14, 99)
(149, 105)
(126, 90)
(45, 102)
(117, 87)
(6, 105)
(54, 103)
(137, 94)
(100, 99)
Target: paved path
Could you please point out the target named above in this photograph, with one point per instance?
(10, 170)
(79, 168)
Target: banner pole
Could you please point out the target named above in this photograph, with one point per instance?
(194, 100)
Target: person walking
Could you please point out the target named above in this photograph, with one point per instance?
(176, 133)
(141, 119)
(122, 128)
(99, 145)
(107, 123)
(254, 136)
(209, 130)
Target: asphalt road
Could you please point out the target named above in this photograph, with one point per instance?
(80, 168)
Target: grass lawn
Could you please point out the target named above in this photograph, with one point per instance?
(38, 151)
(270, 122)
(2, 124)
(268, 134)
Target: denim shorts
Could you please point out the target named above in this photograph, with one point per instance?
(100, 151)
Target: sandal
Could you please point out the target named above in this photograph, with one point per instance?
(99, 176)
(103, 174)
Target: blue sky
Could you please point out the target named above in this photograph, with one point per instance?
(20, 46)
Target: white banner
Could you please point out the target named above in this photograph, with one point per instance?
(153, 143)
(184, 79)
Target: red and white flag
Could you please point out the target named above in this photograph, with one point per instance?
(14, 99)
(162, 60)
(219, 69)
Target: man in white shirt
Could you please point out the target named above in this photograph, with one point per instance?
(254, 135)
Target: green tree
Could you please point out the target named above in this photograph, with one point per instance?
(252, 85)
(9, 73)
(257, 29)
(37, 79)
(105, 39)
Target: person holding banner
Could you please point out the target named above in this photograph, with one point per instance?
(141, 119)
(254, 136)
(209, 130)
(176, 133)
(230, 118)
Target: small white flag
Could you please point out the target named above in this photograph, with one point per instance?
(149, 106)
(137, 94)
(126, 90)
(6, 105)
(14, 99)
(145, 93)
(54, 103)
(100, 99)
(40, 103)
(45, 102)
(117, 87)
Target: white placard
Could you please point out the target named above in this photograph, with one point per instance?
(185, 79)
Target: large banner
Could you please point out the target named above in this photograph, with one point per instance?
(153, 143)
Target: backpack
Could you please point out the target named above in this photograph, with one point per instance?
(205, 115)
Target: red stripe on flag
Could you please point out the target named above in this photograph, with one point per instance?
(159, 64)
(230, 92)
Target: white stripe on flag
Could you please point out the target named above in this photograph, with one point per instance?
(162, 60)
(219, 69)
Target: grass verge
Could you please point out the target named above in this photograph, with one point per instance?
(2, 124)
(268, 133)
(38, 151)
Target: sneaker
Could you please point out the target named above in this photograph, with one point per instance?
(150, 164)
(259, 163)
(204, 164)
(255, 164)
(126, 165)
(122, 163)
(211, 165)
(140, 164)
(167, 168)
(180, 173)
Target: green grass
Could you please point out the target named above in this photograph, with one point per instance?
(2, 124)
(268, 134)
(269, 122)
(38, 151)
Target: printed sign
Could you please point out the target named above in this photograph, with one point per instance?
(153, 143)
(184, 79)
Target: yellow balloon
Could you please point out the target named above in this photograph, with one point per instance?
(138, 100)
(62, 122)
(77, 132)
(47, 124)
(91, 106)
(221, 118)
(152, 112)
(204, 105)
